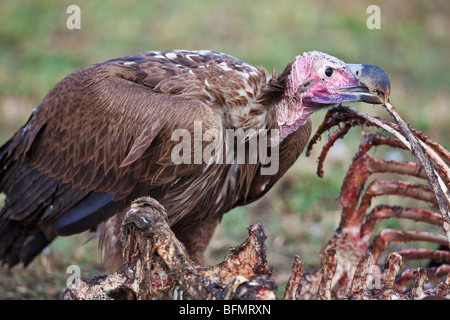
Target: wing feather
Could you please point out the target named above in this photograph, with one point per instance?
(97, 118)
(101, 137)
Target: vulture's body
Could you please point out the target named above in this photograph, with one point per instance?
(103, 136)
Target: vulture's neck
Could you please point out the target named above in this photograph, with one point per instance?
(279, 94)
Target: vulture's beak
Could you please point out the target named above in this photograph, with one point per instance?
(373, 84)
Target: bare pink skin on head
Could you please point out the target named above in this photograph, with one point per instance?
(309, 88)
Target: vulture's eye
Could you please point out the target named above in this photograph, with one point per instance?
(329, 72)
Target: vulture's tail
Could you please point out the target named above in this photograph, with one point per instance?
(18, 183)
(17, 244)
(38, 207)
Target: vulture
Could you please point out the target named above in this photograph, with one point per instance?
(115, 131)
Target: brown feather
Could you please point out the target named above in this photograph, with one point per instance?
(107, 129)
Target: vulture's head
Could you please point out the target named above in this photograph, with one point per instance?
(318, 80)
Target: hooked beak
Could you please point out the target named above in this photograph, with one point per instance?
(373, 84)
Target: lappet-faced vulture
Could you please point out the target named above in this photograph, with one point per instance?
(112, 132)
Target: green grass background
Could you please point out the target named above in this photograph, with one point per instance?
(301, 213)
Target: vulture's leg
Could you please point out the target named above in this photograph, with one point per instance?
(197, 241)
(110, 244)
(110, 241)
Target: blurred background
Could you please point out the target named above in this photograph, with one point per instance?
(301, 213)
